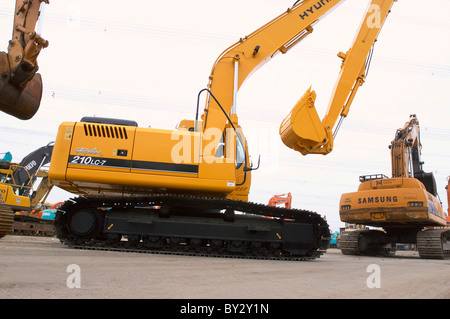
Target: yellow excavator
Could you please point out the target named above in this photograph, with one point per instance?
(186, 190)
(19, 192)
(20, 84)
(406, 205)
(447, 189)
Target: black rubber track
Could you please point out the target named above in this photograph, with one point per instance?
(101, 241)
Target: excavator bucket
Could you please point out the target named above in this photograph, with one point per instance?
(19, 102)
(302, 129)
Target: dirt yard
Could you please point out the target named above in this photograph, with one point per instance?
(40, 267)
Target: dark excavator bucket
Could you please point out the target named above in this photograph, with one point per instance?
(19, 102)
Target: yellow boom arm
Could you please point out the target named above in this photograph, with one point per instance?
(302, 130)
(406, 149)
(237, 62)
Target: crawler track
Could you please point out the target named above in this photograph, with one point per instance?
(434, 243)
(365, 242)
(32, 226)
(189, 251)
(349, 243)
(6, 220)
(431, 243)
(190, 225)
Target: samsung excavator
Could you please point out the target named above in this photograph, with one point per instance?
(20, 84)
(405, 206)
(18, 192)
(186, 190)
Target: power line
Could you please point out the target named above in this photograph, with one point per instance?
(171, 105)
(436, 70)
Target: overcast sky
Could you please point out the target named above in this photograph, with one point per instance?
(147, 60)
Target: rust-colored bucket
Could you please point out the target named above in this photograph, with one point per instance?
(22, 103)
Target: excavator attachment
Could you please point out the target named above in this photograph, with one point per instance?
(20, 85)
(20, 102)
(303, 131)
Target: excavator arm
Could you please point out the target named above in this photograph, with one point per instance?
(237, 62)
(302, 130)
(406, 151)
(20, 84)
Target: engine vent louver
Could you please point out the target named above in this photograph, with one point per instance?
(107, 131)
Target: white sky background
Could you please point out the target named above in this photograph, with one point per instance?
(147, 60)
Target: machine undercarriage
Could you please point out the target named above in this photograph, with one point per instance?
(431, 243)
(192, 225)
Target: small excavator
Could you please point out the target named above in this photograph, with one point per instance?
(283, 199)
(20, 84)
(186, 190)
(17, 192)
(406, 205)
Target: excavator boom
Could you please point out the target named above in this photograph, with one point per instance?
(251, 52)
(20, 84)
(302, 130)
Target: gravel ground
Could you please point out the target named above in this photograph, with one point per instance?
(41, 267)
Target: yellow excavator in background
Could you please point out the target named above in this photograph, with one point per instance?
(19, 193)
(20, 84)
(186, 190)
(447, 188)
(406, 205)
